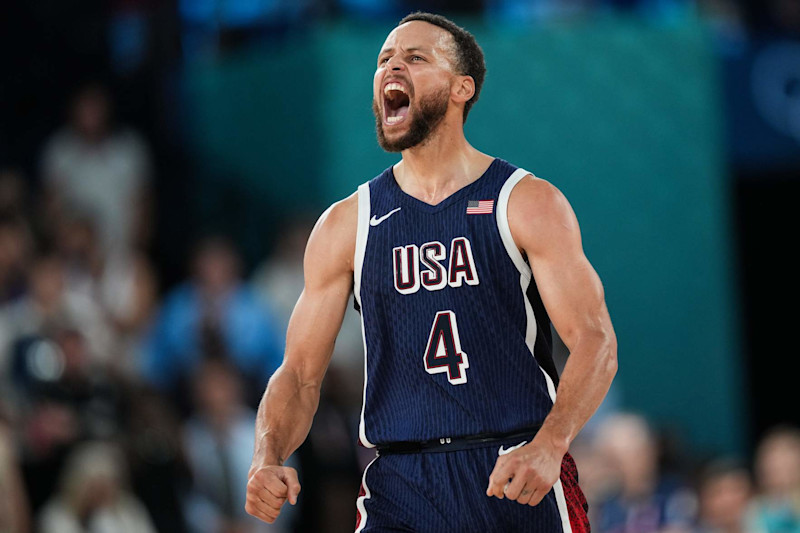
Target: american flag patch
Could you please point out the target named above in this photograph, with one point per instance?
(480, 207)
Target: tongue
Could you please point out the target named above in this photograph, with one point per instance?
(401, 111)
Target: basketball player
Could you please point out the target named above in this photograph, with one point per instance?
(458, 262)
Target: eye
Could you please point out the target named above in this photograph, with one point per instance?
(417, 58)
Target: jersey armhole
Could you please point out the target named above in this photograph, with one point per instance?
(503, 226)
(362, 232)
(361, 247)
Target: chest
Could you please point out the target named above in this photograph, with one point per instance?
(413, 253)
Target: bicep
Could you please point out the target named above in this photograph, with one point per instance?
(313, 328)
(572, 294)
(546, 229)
(318, 314)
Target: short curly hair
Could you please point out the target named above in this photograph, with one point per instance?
(469, 56)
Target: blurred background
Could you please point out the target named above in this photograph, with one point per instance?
(162, 163)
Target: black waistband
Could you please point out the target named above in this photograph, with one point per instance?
(448, 444)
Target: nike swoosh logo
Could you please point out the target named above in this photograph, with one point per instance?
(374, 221)
(503, 450)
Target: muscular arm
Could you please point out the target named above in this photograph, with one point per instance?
(544, 227)
(292, 396)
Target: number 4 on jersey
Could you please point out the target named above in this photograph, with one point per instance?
(443, 353)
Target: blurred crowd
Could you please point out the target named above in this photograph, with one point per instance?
(122, 409)
(636, 481)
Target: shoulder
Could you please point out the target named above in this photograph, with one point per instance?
(333, 240)
(539, 213)
(538, 198)
(339, 220)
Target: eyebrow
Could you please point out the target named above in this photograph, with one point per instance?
(411, 49)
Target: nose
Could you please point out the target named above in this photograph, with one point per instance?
(395, 64)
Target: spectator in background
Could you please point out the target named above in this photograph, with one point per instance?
(63, 398)
(724, 494)
(49, 304)
(219, 444)
(644, 501)
(59, 371)
(214, 312)
(777, 466)
(598, 478)
(89, 166)
(93, 496)
(123, 287)
(77, 245)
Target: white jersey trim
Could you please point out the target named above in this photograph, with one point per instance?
(525, 274)
(563, 511)
(362, 509)
(361, 238)
(502, 221)
(361, 247)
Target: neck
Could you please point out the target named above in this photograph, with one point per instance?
(441, 165)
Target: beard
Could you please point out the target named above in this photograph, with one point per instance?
(429, 113)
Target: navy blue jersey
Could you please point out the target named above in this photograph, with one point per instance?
(457, 341)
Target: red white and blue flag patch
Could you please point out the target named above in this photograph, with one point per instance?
(480, 207)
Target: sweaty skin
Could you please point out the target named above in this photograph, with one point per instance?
(545, 229)
(418, 55)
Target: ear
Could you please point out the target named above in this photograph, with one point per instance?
(463, 89)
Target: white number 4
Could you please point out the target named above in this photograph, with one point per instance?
(443, 353)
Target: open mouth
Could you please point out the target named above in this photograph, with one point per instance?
(395, 103)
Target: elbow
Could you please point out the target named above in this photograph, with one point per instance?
(598, 350)
(609, 355)
(299, 375)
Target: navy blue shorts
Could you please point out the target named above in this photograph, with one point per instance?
(446, 492)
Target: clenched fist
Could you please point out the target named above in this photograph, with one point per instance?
(268, 488)
(526, 474)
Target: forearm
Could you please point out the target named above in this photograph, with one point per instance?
(284, 416)
(587, 376)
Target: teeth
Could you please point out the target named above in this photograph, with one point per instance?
(393, 87)
(392, 120)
